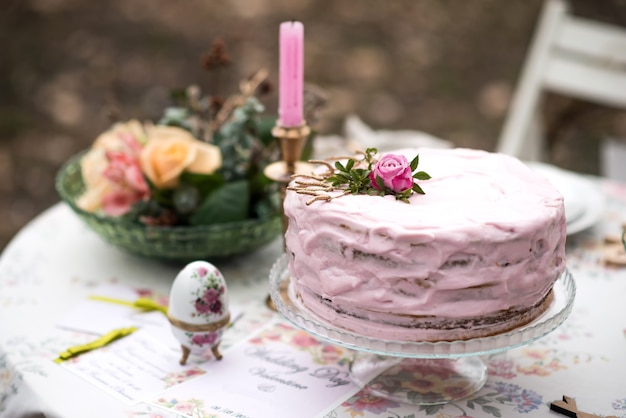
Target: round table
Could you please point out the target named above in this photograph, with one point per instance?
(55, 262)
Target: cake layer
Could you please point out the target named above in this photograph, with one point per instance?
(487, 237)
(419, 328)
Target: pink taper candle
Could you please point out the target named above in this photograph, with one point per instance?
(291, 72)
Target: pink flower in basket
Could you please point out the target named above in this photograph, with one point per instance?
(124, 159)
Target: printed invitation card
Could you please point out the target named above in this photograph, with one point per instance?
(134, 367)
(280, 372)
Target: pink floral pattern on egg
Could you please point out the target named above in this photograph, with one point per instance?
(208, 338)
(208, 298)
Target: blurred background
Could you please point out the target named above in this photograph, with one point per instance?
(444, 67)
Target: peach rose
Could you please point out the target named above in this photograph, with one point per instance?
(170, 151)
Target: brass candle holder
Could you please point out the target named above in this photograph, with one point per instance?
(292, 140)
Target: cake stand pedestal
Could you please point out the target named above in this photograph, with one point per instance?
(422, 372)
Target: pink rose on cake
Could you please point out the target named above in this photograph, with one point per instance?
(394, 171)
(392, 174)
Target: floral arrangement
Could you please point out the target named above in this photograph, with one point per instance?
(131, 158)
(200, 164)
(392, 174)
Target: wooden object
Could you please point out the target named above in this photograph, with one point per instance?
(568, 408)
(614, 252)
(571, 56)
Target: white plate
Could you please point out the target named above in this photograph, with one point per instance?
(584, 202)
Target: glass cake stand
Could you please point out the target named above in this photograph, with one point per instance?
(419, 372)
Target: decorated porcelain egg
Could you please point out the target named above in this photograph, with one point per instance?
(198, 309)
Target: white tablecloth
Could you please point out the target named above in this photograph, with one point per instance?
(55, 262)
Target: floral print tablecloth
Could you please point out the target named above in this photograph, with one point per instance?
(56, 261)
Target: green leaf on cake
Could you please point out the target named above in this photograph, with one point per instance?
(415, 162)
(338, 179)
(417, 189)
(421, 175)
(380, 183)
(229, 203)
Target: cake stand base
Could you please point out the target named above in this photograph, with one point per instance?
(419, 372)
(419, 381)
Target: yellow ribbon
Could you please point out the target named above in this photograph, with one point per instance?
(141, 303)
(100, 342)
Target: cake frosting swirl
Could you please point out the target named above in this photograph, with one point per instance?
(476, 255)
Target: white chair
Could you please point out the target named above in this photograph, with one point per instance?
(570, 56)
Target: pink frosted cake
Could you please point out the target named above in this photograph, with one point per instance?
(476, 255)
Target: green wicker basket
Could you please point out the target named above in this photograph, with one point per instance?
(177, 243)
